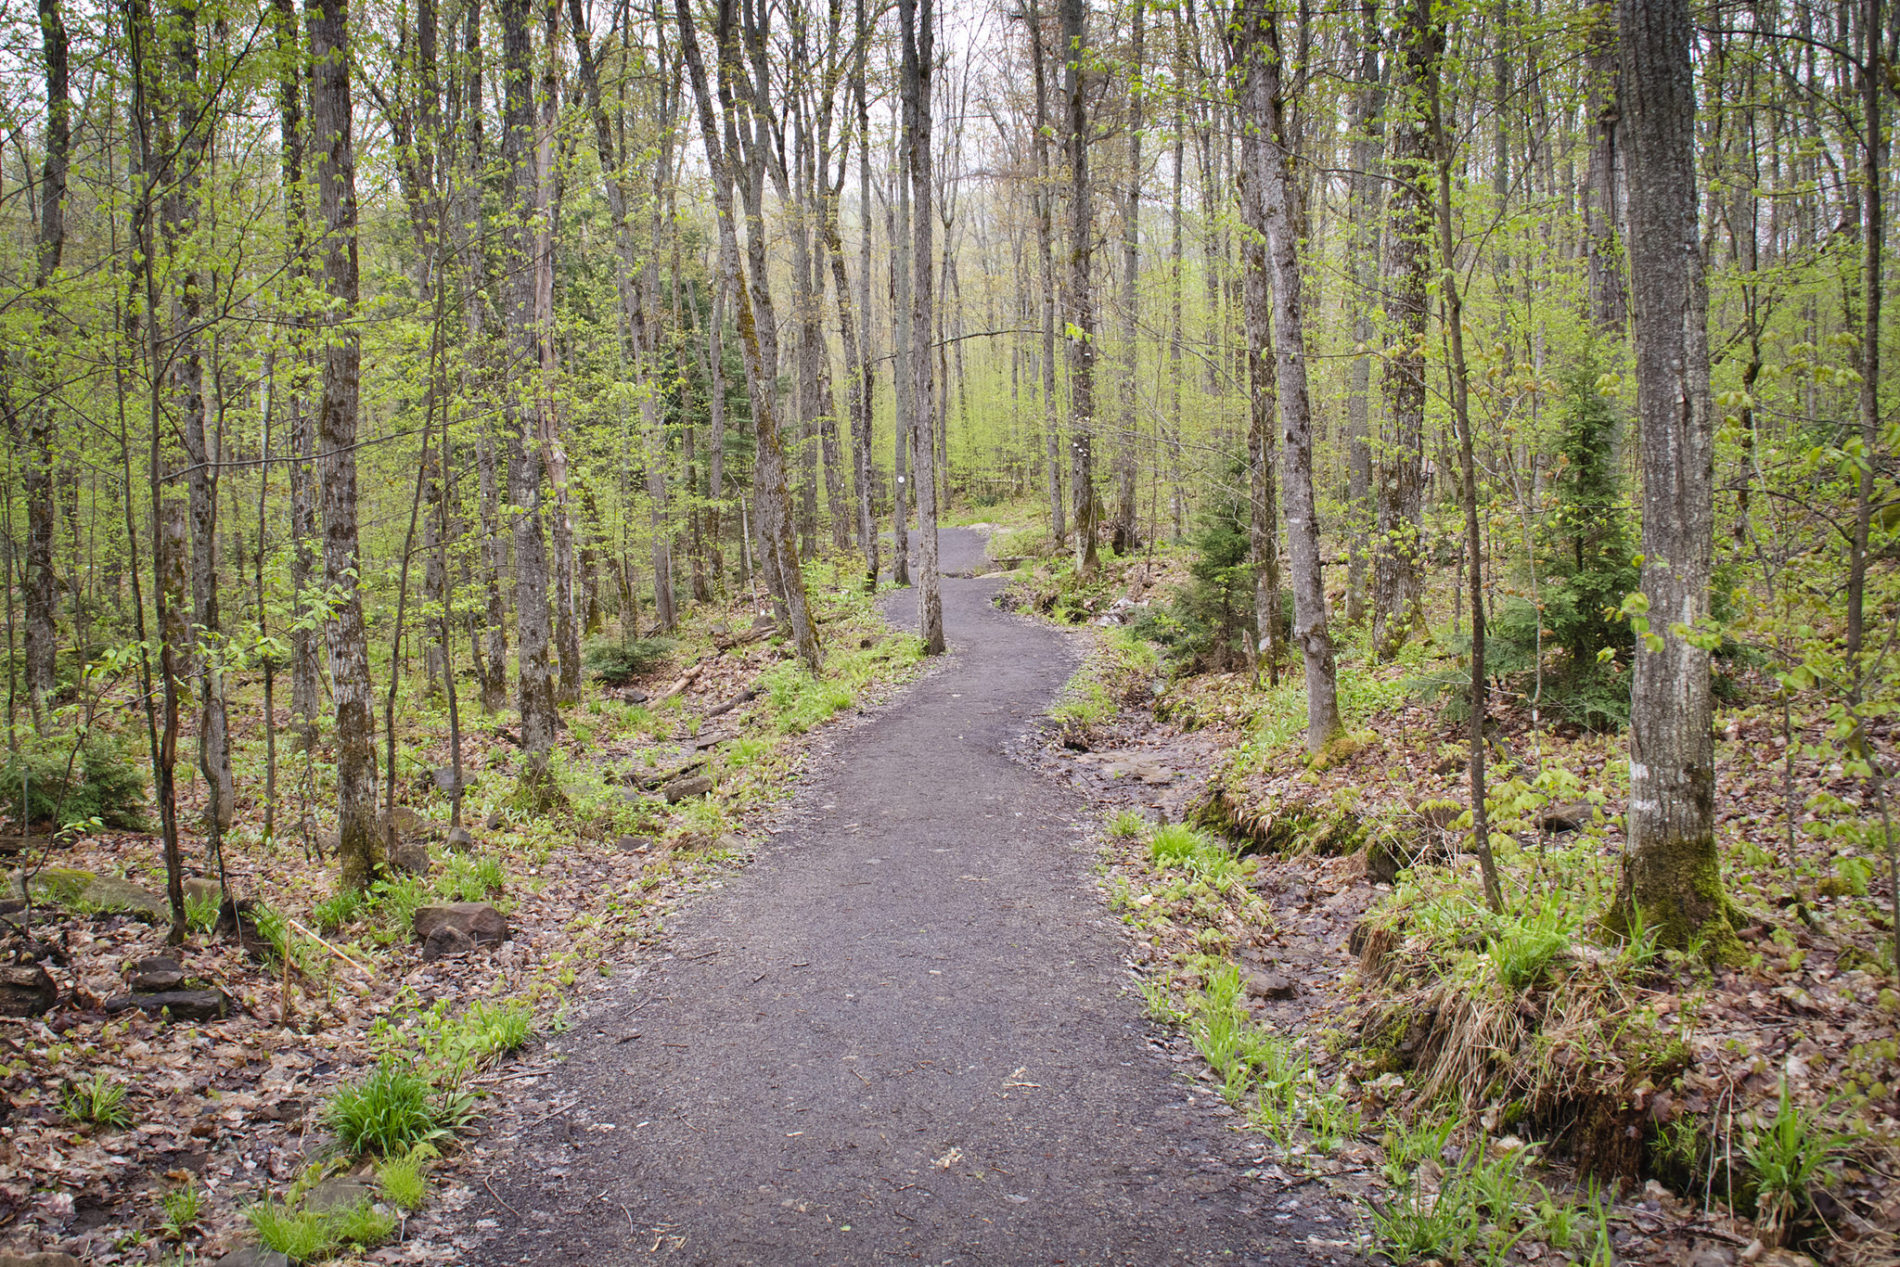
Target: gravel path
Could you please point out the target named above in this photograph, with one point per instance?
(904, 1033)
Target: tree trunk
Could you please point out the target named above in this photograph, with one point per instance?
(1602, 209)
(917, 33)
(1261, 57)
(1397, 568)
(1671, 876)
(331, 130)
(905, 412)
(1363, 253)
(1127, 538)
(41, 591)
(1081, 295)
(1045, 247)
(770, 474)
(534, 689)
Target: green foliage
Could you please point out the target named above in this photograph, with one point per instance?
(59, 784)
(1211, 620)
(1590, 560)
(404, 1182)
(618, 663)
(1127, 824)
(183, 1206)
(95, 1101)
(336, 912)
(311, 1236)
(1789, 1157)
(201, 912)
(800, 701)
(391, 1111)
(470, 878)
(1476, 1209)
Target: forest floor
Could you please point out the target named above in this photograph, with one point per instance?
(1504, 1089)
(144, 1134)
(906, 1032)
(908, 1025)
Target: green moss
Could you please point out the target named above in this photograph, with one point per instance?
(1672, 894)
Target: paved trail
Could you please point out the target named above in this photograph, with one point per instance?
(903, 1034)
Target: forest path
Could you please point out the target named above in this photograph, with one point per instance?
(902, 1034)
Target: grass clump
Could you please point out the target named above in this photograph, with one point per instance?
(183, 1207)
(95, 1101)
(310, 1236)
(405, 1181)
(1789, 1157)
(391, 1111)
(800, 701)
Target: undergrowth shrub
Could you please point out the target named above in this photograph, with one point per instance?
(56, 784)
(618, 663)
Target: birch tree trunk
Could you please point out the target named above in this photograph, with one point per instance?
(331, 133)
(1264, 110)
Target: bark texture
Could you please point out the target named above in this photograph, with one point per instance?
(1671, 874)
(332, 135)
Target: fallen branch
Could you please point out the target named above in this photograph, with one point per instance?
(327, 946)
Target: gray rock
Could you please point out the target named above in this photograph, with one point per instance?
(43, 1259)
(444, 780)
(410, 857)
(156, 975)
(339, 1192)
(104, 893)
(1559, 819)
(180, 1005)
(405, 821)
(26, 990)
(685, 789)
(1270, 985)
(199, 889)
(458, 840)
(633, 844)
(446, 940)
(253, 1256)
(478, 921)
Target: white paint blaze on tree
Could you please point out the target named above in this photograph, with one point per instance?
(1671, 876)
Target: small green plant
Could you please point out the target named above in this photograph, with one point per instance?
(404, 1182)
(1174, 845)
(1127, 824)
(498, 1028)
(471, 879)
(201, 912)
(339, 910)
(184, 1206)
(1415, 1224)
(96, 1101)
(1558, 1224)
(1788, 1158)
(391, 1111)
(1523, 949)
